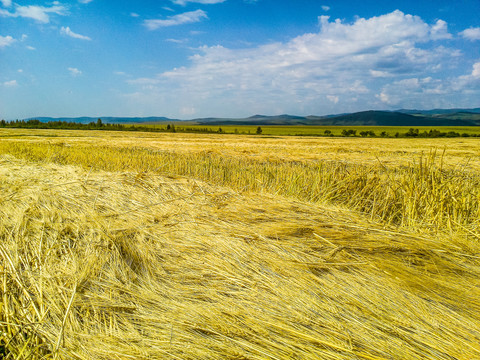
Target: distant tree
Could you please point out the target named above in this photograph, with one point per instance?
(33, 122)
(434, 133)
(383, 134)
(349, 132)
(327, 132)
(169, 127)
(259, 130)
(99, 122)
(412, 132)
(220, 130)
(452, 134)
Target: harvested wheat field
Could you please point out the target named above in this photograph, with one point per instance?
(117, 247)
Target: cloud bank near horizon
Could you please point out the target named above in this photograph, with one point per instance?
(387, 61)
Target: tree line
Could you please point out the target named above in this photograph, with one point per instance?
(99, 125)
(413, 133)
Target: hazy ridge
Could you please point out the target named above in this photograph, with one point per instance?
(403, 117)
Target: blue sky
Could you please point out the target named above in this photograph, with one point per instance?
(234, 58)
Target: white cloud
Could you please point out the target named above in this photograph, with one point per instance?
(325, 7)
(343, 64)
(6, 41)
(31, 48)
(476, 70)
(134, 15)
(6, 3)
(471, 34)
(184, 18)
(379, 74)
(385, 98)
(184, 2)
(466, 81)
(332, 98)
(428, 92)
(439, 31)
(74, 72)
(187, 111)
(176, 41)
(68, 32)
(85, 1)
(38, 13)
(12, 83)
(20, 70)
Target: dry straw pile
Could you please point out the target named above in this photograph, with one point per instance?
(125, 262)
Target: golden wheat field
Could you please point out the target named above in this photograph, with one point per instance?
(185, 246)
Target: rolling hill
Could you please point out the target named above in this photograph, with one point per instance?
(364, 118)
(437, 117)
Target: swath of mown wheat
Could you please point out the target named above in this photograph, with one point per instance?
(148, 254)
(422, 194)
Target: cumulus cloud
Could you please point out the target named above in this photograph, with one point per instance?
(6, 3)
(11, 83)
(179, 19)
(439, 31)
(38, 13)
(471, 34)
(429, 92)
(6, 41)
(476, 70)
(85, 1)
(66, 31)
(412, 92)
(325, 7)
(185, 2)
(342, 66)
(74, 72)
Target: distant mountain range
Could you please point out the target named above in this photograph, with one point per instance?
(403, 117)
